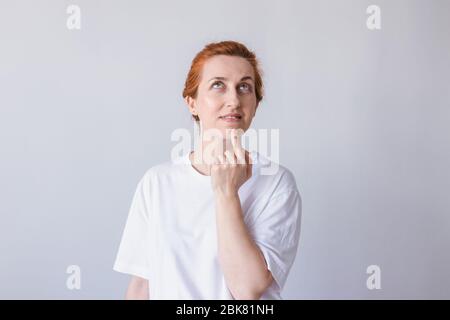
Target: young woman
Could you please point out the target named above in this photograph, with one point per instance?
(209, 224)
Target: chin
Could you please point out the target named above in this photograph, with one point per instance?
(237, 127)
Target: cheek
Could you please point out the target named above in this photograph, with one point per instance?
(250, 99)
(249, 103)
(211, 103)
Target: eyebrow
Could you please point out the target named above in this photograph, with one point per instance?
(223, 78)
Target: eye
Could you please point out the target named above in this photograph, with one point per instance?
(245, 87)
(217, 85)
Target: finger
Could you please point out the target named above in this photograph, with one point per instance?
(248, 158)
(237, 148)
(249, 170)
(221, 159)
(231, 159)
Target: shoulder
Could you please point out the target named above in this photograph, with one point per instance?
(164, 169)
(280, 177)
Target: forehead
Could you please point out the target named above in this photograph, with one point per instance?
(230, 67)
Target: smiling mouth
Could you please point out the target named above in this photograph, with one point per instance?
(231, 118)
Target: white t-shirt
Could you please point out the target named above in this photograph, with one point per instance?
(170, 235)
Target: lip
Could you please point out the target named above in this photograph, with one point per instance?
(237, 119)
(230, 119)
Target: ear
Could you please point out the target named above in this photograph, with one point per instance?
(191, 105)
(256, 108)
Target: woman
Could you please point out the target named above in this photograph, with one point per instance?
(209, 225)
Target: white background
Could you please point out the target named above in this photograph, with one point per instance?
(363, 118)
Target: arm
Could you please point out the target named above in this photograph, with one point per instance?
(137, 289)
(241, 260)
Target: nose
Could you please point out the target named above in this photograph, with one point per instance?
(232, 99)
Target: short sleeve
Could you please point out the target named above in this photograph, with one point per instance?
(276, 231)
(133, 256)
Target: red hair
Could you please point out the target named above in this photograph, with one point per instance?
(228, 48)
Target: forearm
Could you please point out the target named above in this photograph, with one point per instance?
(241, 260)
(137, 289)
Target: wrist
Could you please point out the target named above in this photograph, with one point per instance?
(226, 194)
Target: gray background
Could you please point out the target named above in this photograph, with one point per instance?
(363, 118)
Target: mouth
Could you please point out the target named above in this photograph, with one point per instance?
(231, 117)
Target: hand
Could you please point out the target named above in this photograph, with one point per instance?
(232, 169)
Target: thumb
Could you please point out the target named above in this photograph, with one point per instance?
(249, 165)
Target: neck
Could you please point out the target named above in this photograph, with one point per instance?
(205, 151)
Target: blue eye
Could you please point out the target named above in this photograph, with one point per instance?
(217, 85)
(245, 87)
